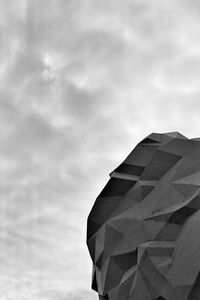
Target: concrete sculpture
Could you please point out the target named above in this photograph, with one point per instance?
(143, 231)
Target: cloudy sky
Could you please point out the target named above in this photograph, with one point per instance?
(81, 83)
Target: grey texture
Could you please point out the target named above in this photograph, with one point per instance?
(80, 82)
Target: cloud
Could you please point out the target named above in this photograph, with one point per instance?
(81, 294)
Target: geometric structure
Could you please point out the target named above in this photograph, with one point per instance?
(143, 232)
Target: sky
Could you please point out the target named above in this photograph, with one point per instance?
(81, 83)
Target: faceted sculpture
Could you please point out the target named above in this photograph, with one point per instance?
(143, 231)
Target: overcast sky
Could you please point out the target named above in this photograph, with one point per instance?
(81, 83)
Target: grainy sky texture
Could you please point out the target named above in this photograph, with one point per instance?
(81, 82)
